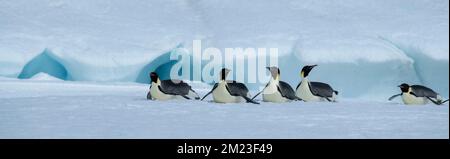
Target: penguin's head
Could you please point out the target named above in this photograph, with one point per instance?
(306, 70)
(404, 87)
(154, 77)
(275, 72)
(224, 73)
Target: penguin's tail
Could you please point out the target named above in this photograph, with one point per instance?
(249, 100)
(336, 92)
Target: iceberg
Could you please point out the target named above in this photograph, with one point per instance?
(364, 48)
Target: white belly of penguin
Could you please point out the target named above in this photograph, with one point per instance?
(304, 93)
(413, 100)
(158, 95)
(221, 95)
(271, 94)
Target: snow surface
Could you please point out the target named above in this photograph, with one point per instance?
(62, 109)
(364, 47)
(44, 77)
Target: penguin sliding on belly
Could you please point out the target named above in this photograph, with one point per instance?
(314, 91)
(277, 91)
(229, 91)
(418, 95)
(169, 89)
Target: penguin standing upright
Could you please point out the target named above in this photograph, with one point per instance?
(229, 91)
(169, 89)
(277, 91)
(314, 91)
(418, 95)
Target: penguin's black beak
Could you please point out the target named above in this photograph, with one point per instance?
(268, 68)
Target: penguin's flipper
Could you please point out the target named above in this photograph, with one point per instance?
(328, 99)
(207, 94)
(194, 94)
(256, 95)
(445, 101)
(435, 102)
(394, 96)
(298, 85)
(186, 97)
(249, 100)
(260, 92)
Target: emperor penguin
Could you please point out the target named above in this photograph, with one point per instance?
(314, 91)
(226, 91)
(169, 89)
(277, 91)
(418, 95)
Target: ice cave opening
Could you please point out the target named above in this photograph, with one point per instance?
(161, 65)
(45, 62)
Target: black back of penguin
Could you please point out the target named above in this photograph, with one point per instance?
(286, 90)
(175, 87)
(321, 89)
(237, 89)
(422, 91)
